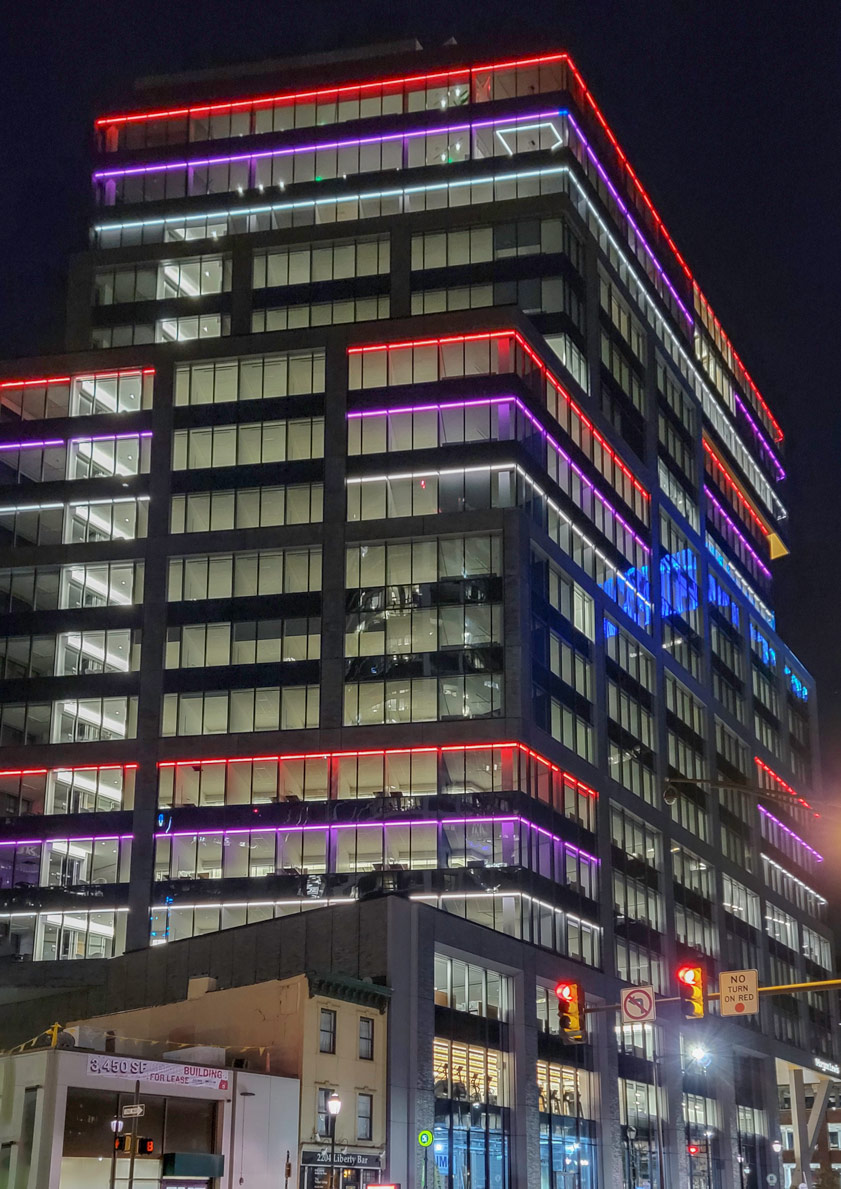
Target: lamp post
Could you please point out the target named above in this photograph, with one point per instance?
(334, 1105)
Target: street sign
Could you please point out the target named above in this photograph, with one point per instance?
(638, 1005)
(739, 992)
(134, 1111)
(424, 1138)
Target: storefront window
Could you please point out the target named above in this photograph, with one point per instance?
(472, 1120)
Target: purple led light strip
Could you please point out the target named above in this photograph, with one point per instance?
(624, 209)
(106, 437)
(796, 837)
(500, 400)
(163, 166)
(86, 838)
(760, 437)
(448, 821)
(649, 252)
(733, 527)
(32, 445)
(479, 124)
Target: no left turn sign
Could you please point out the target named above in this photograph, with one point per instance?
(638, 1005)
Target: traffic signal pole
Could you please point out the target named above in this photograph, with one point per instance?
(779, 989)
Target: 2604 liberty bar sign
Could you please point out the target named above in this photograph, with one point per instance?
(343, 1159)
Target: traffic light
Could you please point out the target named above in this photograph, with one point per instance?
(145, 1146)
(693, 1149)
(692, 986)
(122, 1143)
(571, 1011)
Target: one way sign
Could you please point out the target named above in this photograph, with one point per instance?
(738, 992)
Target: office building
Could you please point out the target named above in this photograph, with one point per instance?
(399, 522)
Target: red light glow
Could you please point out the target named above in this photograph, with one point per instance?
(688, 975)
(42, 380)
(564, 991)
(542, 368)
(778, 780)
(82, 768)
(326, 92)
(579, 786)
(469, 71)
(735, 489)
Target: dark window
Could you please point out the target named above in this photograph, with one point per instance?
(366, 1039)
(327, 1031)
(364, 1116)
(323, 1120)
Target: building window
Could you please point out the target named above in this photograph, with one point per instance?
(366, 1039)
(327, 1032)
(364, 1115)
(323, 1117)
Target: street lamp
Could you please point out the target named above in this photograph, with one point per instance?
(334, 1105)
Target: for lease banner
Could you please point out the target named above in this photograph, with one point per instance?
(161, 1073)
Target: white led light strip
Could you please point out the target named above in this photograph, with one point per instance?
(794, 879)
(505, 466)
(715, 411)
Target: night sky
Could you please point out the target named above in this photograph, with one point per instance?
(728, 110)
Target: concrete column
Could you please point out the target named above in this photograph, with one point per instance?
(401, 271)
(153, 639)
(800, 1124)
(242, 291)
(411, 1029)
(607, 1091)
(522, 1061)
(728, 1146)
(516, 616)
(670, 1078)
(333, 559)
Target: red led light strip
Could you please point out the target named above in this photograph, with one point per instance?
(383, 751)
(553, 380)
(661, 227)
(734, 487)
(292, 96)
(126, 371)
(81, 768)
(324, 92)
(779, 780)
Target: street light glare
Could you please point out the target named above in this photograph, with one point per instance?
(334, 1104)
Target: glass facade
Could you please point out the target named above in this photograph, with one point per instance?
(474, 560)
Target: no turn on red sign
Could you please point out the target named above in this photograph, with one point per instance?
(738, 992)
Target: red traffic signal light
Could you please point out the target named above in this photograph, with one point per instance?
(692, 987)
(145, 1146)
(571, 1011)
(693, 1149)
